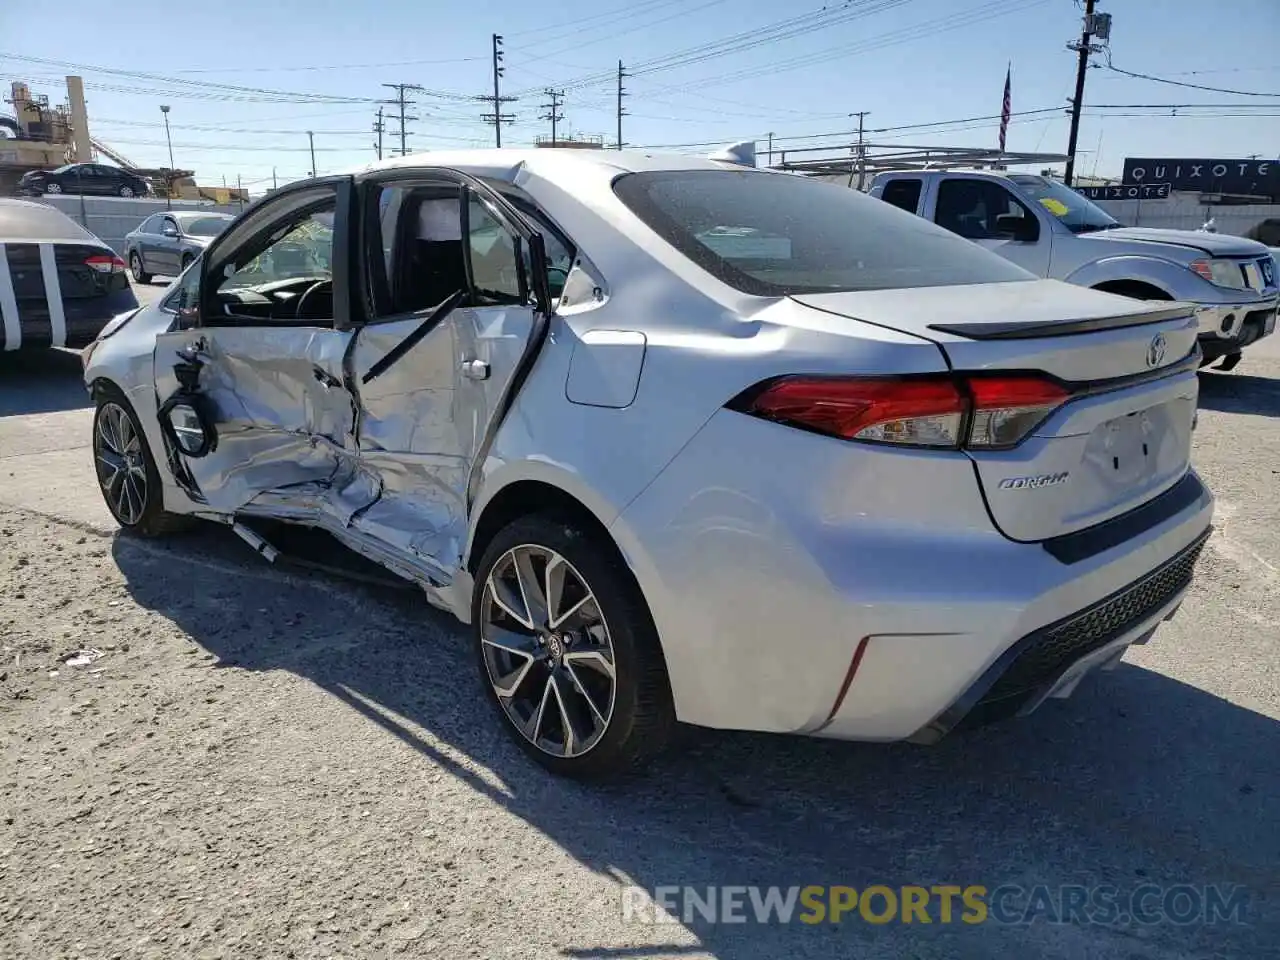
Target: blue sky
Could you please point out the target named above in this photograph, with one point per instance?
(905, 61)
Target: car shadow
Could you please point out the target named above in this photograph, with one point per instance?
(1239, 393)
(41, 381)
(1138, 779)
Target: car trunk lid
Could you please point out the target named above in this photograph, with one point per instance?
(1122, 438)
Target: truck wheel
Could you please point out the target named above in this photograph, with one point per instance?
(1229, 362)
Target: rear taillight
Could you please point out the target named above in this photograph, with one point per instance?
(1007, 409)
(945, 411)
(105, 264)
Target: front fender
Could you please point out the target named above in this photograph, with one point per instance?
(1175, 280)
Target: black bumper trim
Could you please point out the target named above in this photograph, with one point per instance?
(976, 706)
(1083, 544)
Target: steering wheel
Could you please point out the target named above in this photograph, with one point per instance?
(302, 300)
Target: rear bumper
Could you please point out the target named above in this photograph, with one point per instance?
(875, 601)
(84, 318)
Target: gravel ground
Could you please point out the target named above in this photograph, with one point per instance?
(260, 761)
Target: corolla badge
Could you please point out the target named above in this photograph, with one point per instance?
(1156, 349)
(1032, 483)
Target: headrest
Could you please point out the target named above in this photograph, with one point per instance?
(439, 220)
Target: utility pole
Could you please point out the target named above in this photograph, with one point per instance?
(862, 152)
(311, 139)
(401, 102)
(769, 153)
(553, 111)
(273, 180)
(621, 93)
(498, 118)
(378, 128)
(168, 193)
(1082, 64)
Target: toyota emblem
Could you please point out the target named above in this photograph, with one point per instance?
(1155, 350)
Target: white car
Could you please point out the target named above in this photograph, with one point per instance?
(679, 440)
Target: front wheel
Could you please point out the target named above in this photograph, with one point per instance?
(568, 652)
(187, 260)
(126, 471)
(126, 191)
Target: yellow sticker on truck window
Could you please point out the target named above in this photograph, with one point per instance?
(1056, 207)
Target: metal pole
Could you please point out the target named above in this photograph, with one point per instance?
(311, 139)
(1082, 65)
(273, 179)
(497, 98)
(239, 192)
(621, 93)
(168, 192)
(769, 154)
(862, 153)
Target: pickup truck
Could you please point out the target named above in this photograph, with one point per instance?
(1052, 231)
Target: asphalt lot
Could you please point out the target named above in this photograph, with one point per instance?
(267, 762)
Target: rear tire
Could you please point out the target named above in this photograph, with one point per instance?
(126, 471)
(187, 260)
(52, 187)
(573, 649)
(135, 267)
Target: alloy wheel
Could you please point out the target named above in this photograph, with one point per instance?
(135, 266)
(547, 650)
(121, 463)
(53, 188)
(126, 191)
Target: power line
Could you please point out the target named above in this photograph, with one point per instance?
(1179, 83)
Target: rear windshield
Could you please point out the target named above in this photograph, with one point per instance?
(21, 220)
(205, 226)
(772, 235)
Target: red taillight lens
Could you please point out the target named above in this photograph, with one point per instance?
(919, 412)
(939, 411)
(105, 264)
(1006, 409)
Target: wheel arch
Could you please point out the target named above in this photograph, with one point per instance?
(1137, 289)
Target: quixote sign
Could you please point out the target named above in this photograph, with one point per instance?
(1260, 178)
(1121, 191)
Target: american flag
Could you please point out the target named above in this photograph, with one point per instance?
(1005, 107)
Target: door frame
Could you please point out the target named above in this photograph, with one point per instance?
(370, 245)
(258, 222)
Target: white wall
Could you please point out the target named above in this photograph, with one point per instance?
(1186, 212)
(110, 218)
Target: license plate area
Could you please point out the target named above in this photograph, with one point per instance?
(1125, 448)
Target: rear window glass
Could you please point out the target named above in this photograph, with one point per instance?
(21, 220)
(773, 234)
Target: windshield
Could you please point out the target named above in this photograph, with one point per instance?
(773, 235)
(1076, 213)
(204, 226)
(66, 168)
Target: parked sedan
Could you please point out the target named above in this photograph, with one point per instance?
(678, 440)
(167, 243)
(84, 178)
(59, 284)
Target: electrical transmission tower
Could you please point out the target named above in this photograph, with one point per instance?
(497, 118)
(621, 112)
(553, 111)
(400, 102)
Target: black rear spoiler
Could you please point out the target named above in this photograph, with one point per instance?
(1034, 329)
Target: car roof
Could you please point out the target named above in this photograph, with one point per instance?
(191, 214)
(551, 163)
(31, 222)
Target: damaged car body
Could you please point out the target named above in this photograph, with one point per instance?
(675, 442)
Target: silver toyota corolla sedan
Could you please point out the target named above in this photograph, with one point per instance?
(680, 440)
(167, 243)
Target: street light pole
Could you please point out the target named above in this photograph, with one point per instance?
(168, 192)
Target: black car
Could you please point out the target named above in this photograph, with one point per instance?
(84, 178)
(59, 284)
